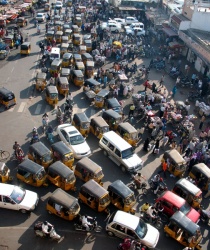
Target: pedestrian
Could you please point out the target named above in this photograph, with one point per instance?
(162, 80)
(178, 79)
(105, 81)
(208, 193)
(156, 147)
(203, 118)
(146, 84)
(164, 168)
(17, 44)
(146, 144)
(153, 87)
(165, 141)
(174, 90)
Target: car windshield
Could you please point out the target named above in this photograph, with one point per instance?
(141, 229)
(39, 15)
(127, 153)
(185, 209)
(17, 194)
(77, 139)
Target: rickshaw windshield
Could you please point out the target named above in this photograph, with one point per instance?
(134, 135)
(85, 125)
(105, 129)
(64, 86)
(96, 175)
(141, 229)
(77, 139)
(185, 209)
(99, 98)
(127, 153)
(18, 194)
(47, 157)
(129, 199)
(70, 179)
(66, 59)
(67, 157)
(4, 171)
(80, 78)
(53, 95)
(89, 67)
(40, 175)
(74, 208)
(104, 200)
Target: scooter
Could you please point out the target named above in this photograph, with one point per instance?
(94, 227)
(60, 119)
(162, 187)
(138, 185)
(156, 221)
(52, 233)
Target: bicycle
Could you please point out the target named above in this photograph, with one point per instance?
(4, 155)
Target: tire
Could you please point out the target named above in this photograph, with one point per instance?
(23, 211)
(98, 229)
(123, 169)
(4, 155)
(159, 225)
(110, 233)
(144, 191)
(105, 153)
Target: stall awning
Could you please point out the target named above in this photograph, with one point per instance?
(169, 32)
(176, 19)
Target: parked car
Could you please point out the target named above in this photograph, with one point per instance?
(58, 5)
(129, 20)
(74, 140)
(40, 17)
(135, 31)
(17, 198)
(114, 27)
(120, 20)
(135, 25)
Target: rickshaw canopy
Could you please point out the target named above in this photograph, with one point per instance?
(61, 148)
(51, 90)
(78, 73)
(68, 31)
(202, 168)
(90, 64)
(56, 62)
(82, 47)
(6, 93)
(122, 77)
(59, 33)
(80, 65)
(65, 38)
(76, 36)
(99, 121)
(30, 166)
(126, 126)
(39, 148)
(60, 169)
(94, 189)
(9, 37)
(113, 104)
(87, 42)
(65, 72)
(119, 188)
(92, 83)
(66, 26)
(88, 165)
(77, 57)
(188, 186)
(50, 33)
(74, 27)
(87, 56)
(113, 114)
(103, 93)
(81, 117)
(64, 45)
(25, 46)
(63, 80)
(175, 156)
(67, 56)
(87, 37)
(184, 223)
(41, 76)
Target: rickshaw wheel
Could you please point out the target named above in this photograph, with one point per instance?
(110, 233)
(98, 229)
(49, 212)
(105, 153)
(159, 225)
(23, 211)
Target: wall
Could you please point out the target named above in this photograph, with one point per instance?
(187, 11)
(184, 25)
(200, 21)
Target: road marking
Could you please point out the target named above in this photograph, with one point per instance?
(38, 109)
(12, 69)
(11, 109)
(22, 106)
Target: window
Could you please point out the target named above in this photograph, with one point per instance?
(166, 204)
(111, 147)
(131, 233)
(105, 141)
(65, 135)
(6, 199)
(117, 152)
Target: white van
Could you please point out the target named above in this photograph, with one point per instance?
(55, 53)
(120, 152)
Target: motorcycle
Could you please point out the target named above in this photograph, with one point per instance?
(94, 227)
(60, 119)
(20, 157)
(50, 137)
(52, 233)
(138, 185)
(161, 189)
(156, 221)
(126, 245)
(204, 215)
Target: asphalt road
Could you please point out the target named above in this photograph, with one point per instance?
(16, 231)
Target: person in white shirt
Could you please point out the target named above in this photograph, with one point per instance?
(151, 212)
(85, 222)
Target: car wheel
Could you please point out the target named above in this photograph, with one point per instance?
(23, 211)
(123, 168)
(110, 233)
(105, 153)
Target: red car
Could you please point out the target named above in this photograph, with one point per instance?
(172, 203)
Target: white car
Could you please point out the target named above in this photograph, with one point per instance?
(58, 5)
(74, 140)
(129, 20)
(135, 31)
(136, 25)
(123, 225)
(120, 20)
(114, 27)
(17, 198)
(40, 17)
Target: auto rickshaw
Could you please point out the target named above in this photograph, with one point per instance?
(65, 72)
(82, 123)
(95, 196)
(41, 81)
(55, 66)
(46, 7)
(128, 133)
(21, 21)
(50, 35)
(62, 153)
(80, 66)
(67, 60)
(78, 21)
(57, 18)
(65, 39)
(75, 29)
(4, 173)
(9, 40)
(61, 176)
(88, 44)
(183, 230)
(112, 118)
(77, 58)
(86, 57)
(122, 197)
(58, 36)
(190, 192)
(69, 3)
(66, 26)
(31, 173)
(64, 48)
(201, 174)
(86, 169)
(89, 69)
(63, 205)
(62, 86)
(59, 25)
(112, 103)
(76, 39)
(98, 126)
(177, 165)
(52, 95)
(7, 98)
(40, 154)
(101, 98)
(68, 32)
(25, 48)
(92, 84)
(82, 49)
(77, 77)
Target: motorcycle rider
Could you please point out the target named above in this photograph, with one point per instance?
(151, 212)
(45, 120)
(46, 228)
(156, 182)
(85, 222)
(145, 207)
(137, 179)
(15, 147)
(49, 130)
(158, 207)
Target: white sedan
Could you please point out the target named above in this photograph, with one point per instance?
(114, 27)
(40, 17)
(74, 140)
(120, 20)
(135, 31)
(17, 198)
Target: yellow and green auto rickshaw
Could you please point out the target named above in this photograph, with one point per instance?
(77, 77)
(112, 118)
(68, 32)
(65, 72)
(41, 81)
(128, 133)
(82, 123)
(122, 197)
(50, 35)
(4, 173)
(65, 39)
(62, 153)
(201, 174)
(86, 57)
(67, 60)
(9, 40)
(101, 98)
(76, 39)
(58, 36)
(78, 21)
(40, 154)
(55, 66)
(95, 196)
(88, 44)
(98, 126)
(61, 176)
(59, 25)
(113, 103)
(64, 48)
(21, 21)
(92, 84)
(7, 98)
(66, 26)
(75, 29)
(25, 48)
(63, 205)
(82, 49)
(46, 7)
(80, 66)
(31, 173)
(52, 95)
(62, 86)
(190, 192)
(89, 69)
(76, 58)
(57, 18)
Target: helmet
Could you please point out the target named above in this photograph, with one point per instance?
(139, 174)
(45, 222)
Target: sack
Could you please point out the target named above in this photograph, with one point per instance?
(156, 151)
